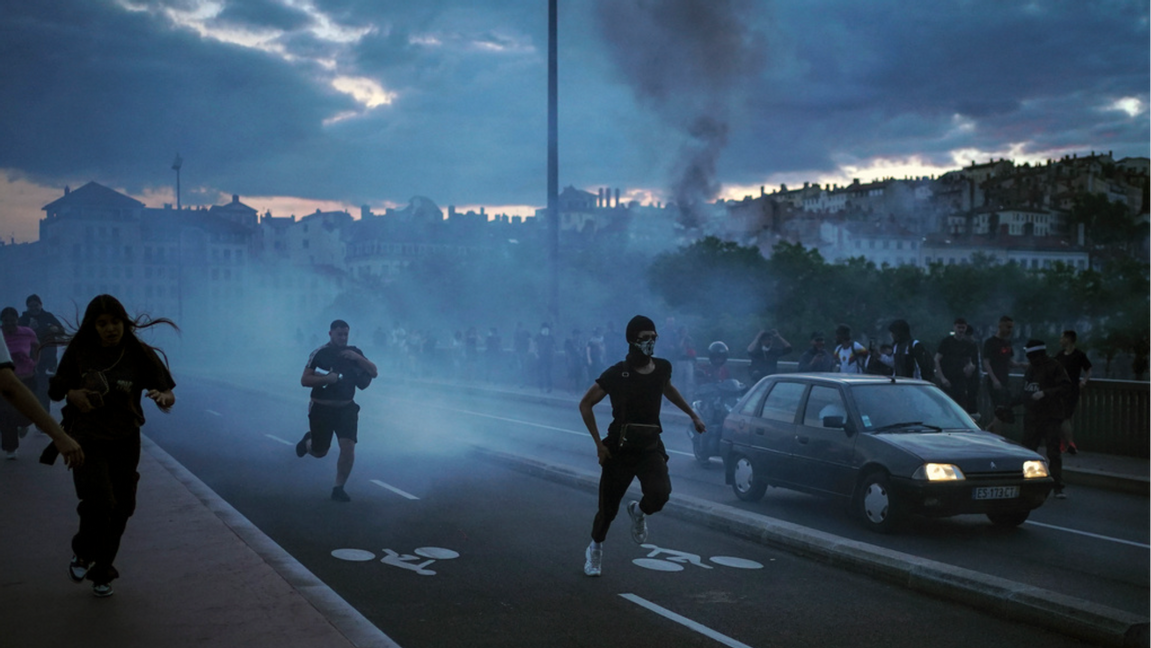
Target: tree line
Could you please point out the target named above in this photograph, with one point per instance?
(730, 291)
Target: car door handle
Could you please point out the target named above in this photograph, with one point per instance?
(759, 431)
(802, 439)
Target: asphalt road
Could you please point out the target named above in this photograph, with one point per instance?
(506, 548)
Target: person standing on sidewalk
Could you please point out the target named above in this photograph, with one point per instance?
(1078, 368)
(956, 360)
(633, 447)
(334, 372)
(104, 371)
(998, 360)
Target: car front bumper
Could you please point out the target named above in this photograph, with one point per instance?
(942, 499)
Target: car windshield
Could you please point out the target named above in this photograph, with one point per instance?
(895, 407)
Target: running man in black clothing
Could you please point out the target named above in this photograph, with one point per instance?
(333, 372)
(633, 448)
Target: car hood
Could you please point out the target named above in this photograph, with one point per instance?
(971, 451)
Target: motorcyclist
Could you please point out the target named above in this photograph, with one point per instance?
(716, 369)
(716, 391)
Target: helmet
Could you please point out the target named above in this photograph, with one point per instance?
(717, 353)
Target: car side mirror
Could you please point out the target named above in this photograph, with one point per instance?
(834, 422)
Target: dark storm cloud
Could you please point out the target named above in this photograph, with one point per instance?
(686, 60)
(259, 14)
(111, 95)
(735, 89)
(880, 78)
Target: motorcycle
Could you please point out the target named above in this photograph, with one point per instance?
(714, 401)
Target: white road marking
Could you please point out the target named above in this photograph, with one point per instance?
(538, 425)
(213, 413)
(1090, 535)
(276, 438)
(686, 622)
(394, 489)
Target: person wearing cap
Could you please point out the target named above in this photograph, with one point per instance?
(633, 448)
(334, 372)
(816, 358)
(1045, 389)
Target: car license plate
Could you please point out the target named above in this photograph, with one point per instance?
(996, 492)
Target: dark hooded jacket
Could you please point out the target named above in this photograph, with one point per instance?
(1048, 376)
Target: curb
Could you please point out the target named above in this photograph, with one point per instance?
(1003, 598)
(345, 618)
(1107, 481)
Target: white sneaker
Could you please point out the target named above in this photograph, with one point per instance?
(11, 454)
(593, 561)
(638, 522)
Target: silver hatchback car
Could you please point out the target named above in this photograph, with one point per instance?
(891, 447)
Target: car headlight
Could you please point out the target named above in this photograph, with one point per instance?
(938, 472)
(1034, 469)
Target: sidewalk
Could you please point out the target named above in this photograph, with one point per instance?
(193, 571)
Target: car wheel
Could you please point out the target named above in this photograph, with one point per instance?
(745, 482)
(877, 505)
(1008, 518)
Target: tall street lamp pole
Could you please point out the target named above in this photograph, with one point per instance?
(553, 168)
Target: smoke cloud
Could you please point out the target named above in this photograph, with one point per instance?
(688, 61)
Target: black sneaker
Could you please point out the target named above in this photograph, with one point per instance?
(339, 495)
(302, 446)
(77, 569)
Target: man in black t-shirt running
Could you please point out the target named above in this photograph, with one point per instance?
(632, 448)
(334, 372)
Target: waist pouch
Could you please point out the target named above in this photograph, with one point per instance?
(638, 436)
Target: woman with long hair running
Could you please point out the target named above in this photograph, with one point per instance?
(104, 371)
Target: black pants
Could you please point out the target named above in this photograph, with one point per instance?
(1046, 431)
(106, 486)
(650, 466)
(960, 391)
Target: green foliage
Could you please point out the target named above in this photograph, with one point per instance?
(798, 292)
(710, 277)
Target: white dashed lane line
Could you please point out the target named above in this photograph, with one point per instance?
(276, 438)
(1090, 535)
(686, 622)
(394, 489)
(213, 413)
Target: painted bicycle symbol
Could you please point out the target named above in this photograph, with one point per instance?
(418, 561)
(672, 560)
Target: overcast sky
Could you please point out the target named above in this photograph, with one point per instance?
(298, 104)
